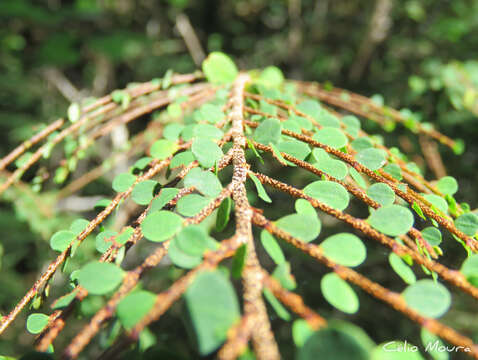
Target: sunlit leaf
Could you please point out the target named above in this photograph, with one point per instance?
(332, 344)
(345, 249)
(213, 309)
(219, 68)
(429, 298)
(329, 192)
(339, 294)
(134, 307)
(392, 220)
(160, 225)
(99, 277)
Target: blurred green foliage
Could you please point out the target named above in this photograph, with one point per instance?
(422, 55)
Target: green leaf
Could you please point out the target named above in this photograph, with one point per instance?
(207, 131)
(164, 197)
(223, 214)
(360, 336)
(332, 344)
(391, 220)
(271, 76)
(123, 181)
(99, 277)
(182, 159)
(401, 268)
(134, 307)
(210, 113)
(432, 235)
(276, 153)
(339, 294)
(239, 261)
(394, 170)
(166, 82)
(352, 124)
(188, 132)
(468, 223)
(204, 181)
(121, 97)
(357, 177)
(219, 68)
(267, 108)
(260, 189)
(61, 240)
(283, 275)
(301, 331)
(345, 249)
(161, 225)
(194, 240)
(213, 309)
(162, 149)
(418, 210)
(361, 143)
(74, 112)
(381, 193)
(36, 322)
(447, 185)
(427, 297)
(330, 193)
(268, 131)
(327, 119)
(180, 258)
(437, 201)
(371, 158)
(64, 301)
(459, 147)
(302, 121)
(303, 226)
(102, 203)
(143, 192)
(251, 146)
(432, 343)
(469, 268)
(303, 206)
(272, 247)
(172, 131)
(206, 152)
(23, 160)
(125, 235)
(311, 108)
(174, 110)
(142, 163)
(103, 240)
(295, 148)
(279, 309)
(331, 136)
(332, 167)
(191, 204)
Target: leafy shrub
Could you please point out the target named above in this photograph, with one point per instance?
(222, 227)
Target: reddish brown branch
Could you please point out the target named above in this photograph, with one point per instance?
(237, 339)
(263, 340)
(294, 302)
(27, 144)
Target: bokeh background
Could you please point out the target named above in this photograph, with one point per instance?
(415, 54)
